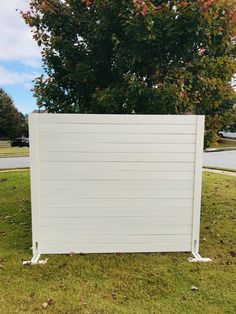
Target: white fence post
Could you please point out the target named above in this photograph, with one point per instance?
(35, 187)
(198, 191)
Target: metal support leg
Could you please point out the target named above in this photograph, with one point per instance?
(35, 261)
(197, 258)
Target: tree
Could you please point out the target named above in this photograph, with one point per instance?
(142, 56)
(12, 122)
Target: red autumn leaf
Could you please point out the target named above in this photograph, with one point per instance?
(87, 2)
(144, 10)
(207, 3)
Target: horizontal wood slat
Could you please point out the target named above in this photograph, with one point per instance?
(76, 138)
(114, 212)
(120, 230)
(64, 174)
(104, 203)
(118, 129)
(114, 221)
(116, 239)
(116, 166)
(116, 148)
(117, 157)
(113, 185)
(114, 248)
(116, 119)
(117, 194)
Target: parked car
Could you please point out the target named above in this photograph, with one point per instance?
(227, 134)
(20, 141)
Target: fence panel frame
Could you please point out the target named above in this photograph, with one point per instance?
(35, 183)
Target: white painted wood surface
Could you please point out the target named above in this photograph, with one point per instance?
(115, 183)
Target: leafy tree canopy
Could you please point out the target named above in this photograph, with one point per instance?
(12, 122)
(142, 56)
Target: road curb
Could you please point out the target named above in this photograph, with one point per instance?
(214, 150)
(13, 169)
(14, 156)
(229, 173)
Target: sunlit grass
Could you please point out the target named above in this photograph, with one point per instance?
(122, 283)
(7, 151)
(224, 143)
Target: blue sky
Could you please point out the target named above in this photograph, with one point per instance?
(20, 59)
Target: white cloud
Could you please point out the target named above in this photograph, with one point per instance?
(16, 43)
(8, 77)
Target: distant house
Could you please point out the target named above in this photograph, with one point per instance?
(40, 111)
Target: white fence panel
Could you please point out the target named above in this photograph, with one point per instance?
(115, 183)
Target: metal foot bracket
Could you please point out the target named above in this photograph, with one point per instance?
(35, 261)
(197, 258)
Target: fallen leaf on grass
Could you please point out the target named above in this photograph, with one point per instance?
(32, 294)
(46, 304)
(194, 288)
(26, 263)
(114, 296)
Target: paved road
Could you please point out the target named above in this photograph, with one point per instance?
(225, 159)
(14, 162)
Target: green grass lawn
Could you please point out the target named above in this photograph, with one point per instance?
(119, 283)
(224, 143)
(7, 151)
